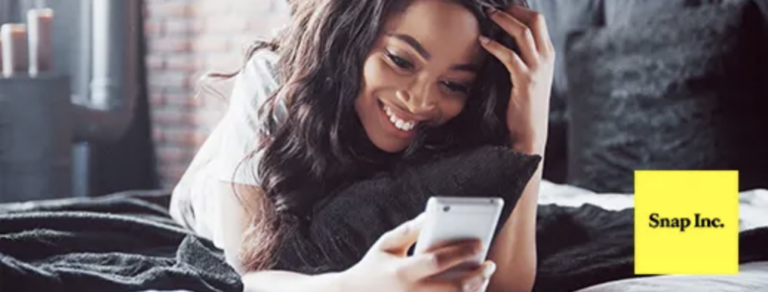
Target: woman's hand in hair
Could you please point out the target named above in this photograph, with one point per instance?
(531, 72)
(387, 266)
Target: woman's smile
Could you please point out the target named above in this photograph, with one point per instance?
(398, 122)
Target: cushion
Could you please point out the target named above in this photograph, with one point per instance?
(344, 227)
(623, 12)
(679, 90)
(563, 17)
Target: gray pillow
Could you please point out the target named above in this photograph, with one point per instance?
(678, 90)
(563, 17)
(624, 12)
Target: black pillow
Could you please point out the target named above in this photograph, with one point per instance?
(342, 230)
(682, 89)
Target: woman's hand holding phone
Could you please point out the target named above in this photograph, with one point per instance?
(387, 266)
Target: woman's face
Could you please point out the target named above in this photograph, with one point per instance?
(419, 72)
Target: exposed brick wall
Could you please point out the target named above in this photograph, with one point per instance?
(186, 38)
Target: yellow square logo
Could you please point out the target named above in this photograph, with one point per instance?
(686, 222)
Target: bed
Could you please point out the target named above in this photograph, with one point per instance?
(128, 242)
(753, 276)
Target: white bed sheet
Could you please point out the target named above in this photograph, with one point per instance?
(753, 204)
(752, 277)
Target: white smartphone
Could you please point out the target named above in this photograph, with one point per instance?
(457, 218)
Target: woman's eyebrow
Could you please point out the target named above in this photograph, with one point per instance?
(414, 43)
(472, 68)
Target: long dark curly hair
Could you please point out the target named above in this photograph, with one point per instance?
(321, 146)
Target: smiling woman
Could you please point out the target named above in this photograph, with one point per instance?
(350, 88)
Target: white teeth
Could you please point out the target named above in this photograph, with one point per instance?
(400, 124)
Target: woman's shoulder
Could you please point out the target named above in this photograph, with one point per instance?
(263, 63)
(258, 78)
(256, 82)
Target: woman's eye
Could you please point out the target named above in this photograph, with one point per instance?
(400, 62)
(456, 87)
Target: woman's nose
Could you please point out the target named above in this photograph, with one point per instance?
(417, 104)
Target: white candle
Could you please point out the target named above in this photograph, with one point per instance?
(1, 55)
(14, 37)
(39, 22)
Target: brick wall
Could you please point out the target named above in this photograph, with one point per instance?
(186, 38)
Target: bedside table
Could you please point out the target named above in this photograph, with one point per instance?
(35, 138)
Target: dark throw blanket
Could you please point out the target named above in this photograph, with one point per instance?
(122, 242)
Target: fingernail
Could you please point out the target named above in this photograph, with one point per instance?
(474, 284)
(490, 10)
(484, 39)
(489, 270)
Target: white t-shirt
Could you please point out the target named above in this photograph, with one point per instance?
(223, 156)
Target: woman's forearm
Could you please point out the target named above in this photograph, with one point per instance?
(515, 250)
(282, 281)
